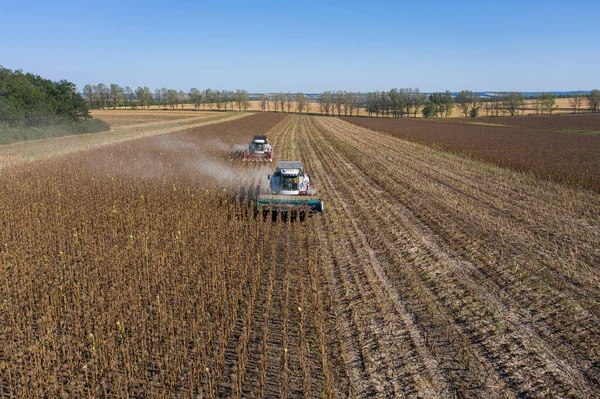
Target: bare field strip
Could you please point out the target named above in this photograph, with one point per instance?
(571, 158)
(18, 153)
(139, 269)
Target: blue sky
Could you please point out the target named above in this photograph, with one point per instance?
(309, 46)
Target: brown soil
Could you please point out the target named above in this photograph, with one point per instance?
(587, 122)
(563, 157)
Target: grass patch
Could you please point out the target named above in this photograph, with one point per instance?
(15, 134)
(574, 131)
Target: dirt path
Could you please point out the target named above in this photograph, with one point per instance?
(18, 153)
(449, 276)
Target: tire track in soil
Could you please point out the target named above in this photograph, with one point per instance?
(375, 199)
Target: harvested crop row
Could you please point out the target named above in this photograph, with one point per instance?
(429, 227)
(571, 158)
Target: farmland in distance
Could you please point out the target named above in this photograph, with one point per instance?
(535, 144)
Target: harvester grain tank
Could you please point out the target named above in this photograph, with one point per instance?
(290, 189)
(259, 150)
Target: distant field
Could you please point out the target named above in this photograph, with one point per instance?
(123, 129)
(562, 157)
(586, 122)
(120, 117)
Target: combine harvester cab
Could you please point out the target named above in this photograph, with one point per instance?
(290, 190)
(259, 150)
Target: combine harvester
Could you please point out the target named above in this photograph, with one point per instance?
(290, 190)
(259, 150)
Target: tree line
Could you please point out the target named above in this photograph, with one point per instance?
(396, 103)
(102, 96)
(30, 100)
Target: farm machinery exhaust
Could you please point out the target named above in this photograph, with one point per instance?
(290, 190)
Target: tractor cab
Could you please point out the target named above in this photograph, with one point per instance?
(259, 150)
(289, 179)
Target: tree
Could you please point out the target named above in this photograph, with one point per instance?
(281, 97)
(348, 98)
(164, 94)
(594, 100)
(29, 99)
(208, 98)
(448, 102)
(263, 102)
(172, 98)
(469, 103)
(144, 96)
(548, 102)
(181, 97)
(158, 96)
(325, 101)
(359, 102)
(372, 103)
(217, 96)
(116, 94)
(430, 109)
(129, 96)
(103, 94)
(577, 101)
(300, 102)
(407, 98)
(513, 101)
(419, 100)
(88, 93)
(275, 100)
(225, 98)
(537, 103)
(232, 97)
(195, 97)
(288, 101)
(438, 102)
(241, 99)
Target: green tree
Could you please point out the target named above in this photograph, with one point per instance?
(513, 101)
(549, 102)
(576, 101)
(594, 100)
(429, 110)
(469, 103)
(448, 102)
(116, 94)
(437, 100)
(34, 101)
(263, 102)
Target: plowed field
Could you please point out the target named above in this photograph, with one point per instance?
(581, 123)
(139, 269)
(570, 158)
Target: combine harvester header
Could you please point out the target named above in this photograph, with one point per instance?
(290, 189)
